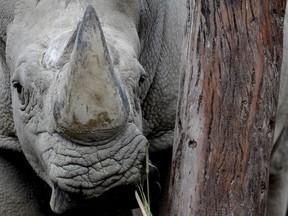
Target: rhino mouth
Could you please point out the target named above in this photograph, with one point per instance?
(87, 171)
(71, 204)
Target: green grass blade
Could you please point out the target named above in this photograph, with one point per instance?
(143, 202)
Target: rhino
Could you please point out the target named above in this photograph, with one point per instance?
(85, 86)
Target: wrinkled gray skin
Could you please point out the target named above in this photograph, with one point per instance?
(82, 92)
(278, 182)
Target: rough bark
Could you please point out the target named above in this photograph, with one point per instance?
(229, 87)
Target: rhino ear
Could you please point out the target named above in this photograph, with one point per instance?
(8, 138)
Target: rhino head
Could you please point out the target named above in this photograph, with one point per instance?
(75, 105)
(88, 90)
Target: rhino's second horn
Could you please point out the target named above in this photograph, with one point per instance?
(89, 98)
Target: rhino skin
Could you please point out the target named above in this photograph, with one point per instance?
(84, 86)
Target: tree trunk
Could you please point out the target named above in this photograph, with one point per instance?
(229, 87)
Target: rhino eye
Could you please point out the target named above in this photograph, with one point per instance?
(142, 79)
(18, 87)
(20, 92)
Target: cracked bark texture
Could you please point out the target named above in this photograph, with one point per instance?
(228, 93)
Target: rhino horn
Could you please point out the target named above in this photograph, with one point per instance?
(89, 97)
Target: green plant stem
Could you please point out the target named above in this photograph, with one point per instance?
(143, 202)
